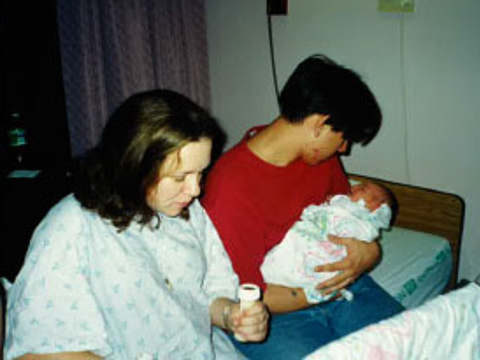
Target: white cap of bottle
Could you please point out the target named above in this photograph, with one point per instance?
(248, 293)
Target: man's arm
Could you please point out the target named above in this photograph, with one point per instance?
(282, 299)
(361, 257)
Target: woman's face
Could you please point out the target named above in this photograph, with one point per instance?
(179, 180)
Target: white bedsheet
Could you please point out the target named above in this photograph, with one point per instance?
(415, 267)
(445, 328)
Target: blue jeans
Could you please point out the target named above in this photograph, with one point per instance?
(297, 334)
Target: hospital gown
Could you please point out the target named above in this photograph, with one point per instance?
(143, 293)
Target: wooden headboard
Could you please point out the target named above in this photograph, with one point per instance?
(429, 211)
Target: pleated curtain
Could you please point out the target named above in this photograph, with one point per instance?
(111, 49)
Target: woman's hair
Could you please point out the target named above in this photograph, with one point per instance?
(114, 177)
(320, 86)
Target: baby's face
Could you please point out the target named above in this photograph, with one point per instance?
(373, 195)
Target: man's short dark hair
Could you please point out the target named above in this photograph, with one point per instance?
(320, 86)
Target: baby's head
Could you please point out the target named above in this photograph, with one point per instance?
(373, 194)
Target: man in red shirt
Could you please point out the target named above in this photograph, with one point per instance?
(259, 188)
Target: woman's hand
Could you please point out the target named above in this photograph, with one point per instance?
(361, 256)
(249, 325)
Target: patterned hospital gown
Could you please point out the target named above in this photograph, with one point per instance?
(305, 246)
(138, 294)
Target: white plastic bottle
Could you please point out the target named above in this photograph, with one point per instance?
(248, 294)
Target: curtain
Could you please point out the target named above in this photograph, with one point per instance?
(111, 49)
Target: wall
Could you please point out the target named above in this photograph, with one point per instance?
(423, 67)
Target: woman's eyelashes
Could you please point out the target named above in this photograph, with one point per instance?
(179, 178)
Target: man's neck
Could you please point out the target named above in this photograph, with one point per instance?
(277, 144)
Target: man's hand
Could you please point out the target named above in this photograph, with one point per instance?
(361, 256)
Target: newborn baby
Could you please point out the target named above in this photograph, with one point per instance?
(360, 214)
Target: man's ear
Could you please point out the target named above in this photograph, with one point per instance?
(318, 121)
